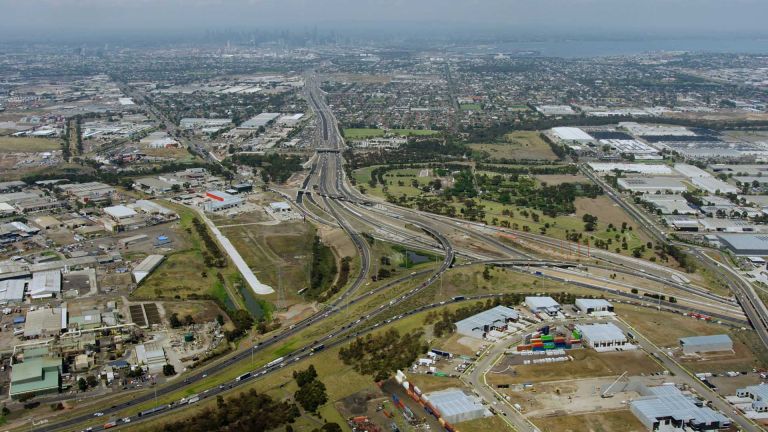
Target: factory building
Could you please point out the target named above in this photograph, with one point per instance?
(147, 266)
(261, 120)
(703, 344)
(280, 207)
(119, 212)
(12, 291)
(88, 192)
(39, 374)
(455, 406)
(667, 408)
(591, 306)
(150, 355)
(545, 305)
(758, 394)
(153, 185)
(219, 201)
(479, 325)
(745, 244)
(572, 134)
(45, 322)
(713, 185)
(651, 185)
(45, 284)
(603, 336)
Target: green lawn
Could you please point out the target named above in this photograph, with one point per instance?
(471, 107)
(361, 133)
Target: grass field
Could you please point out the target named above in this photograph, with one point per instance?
(361, 133)
(184, 272)
(280, 255)
(586, 364)
(487, 424)
(522, 145)
(25, 144)
(610, 421)
(471, 107)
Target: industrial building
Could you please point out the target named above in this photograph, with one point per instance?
(713, 185)
(655, 169)
(670, 204)
(150, 355)
(12, 291)
(119, 212)
(45, 322)
(650, 185)
(691, 171)
(572, 134)
(479, 325)
(455, 406)
(153, 185)
(145, 267)
(280, 207)
(546, 305)
(45, 284)
(39, 374)
(758, 394)
(261, 120)
(745, 244)
(703, 344)
(603, 336)
(219, 201)
(88, 192)
(153, 208)
(590, 306)
(667, 408)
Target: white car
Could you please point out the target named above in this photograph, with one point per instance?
(98, 414)
(127, 420)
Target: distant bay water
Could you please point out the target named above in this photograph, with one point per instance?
(599, 48)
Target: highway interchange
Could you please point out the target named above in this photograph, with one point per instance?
(328, 198)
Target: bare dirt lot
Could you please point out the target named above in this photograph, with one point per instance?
(586, 364)
(620, 420)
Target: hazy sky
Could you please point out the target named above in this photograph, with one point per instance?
(513, 16)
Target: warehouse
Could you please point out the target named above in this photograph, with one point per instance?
(153, 185)
(39, 374)
(651, 184)
(572, 134)
(147, 266)
(119, 212)
(603, 337)
(745, 244)
(45, 284)
(88, 192)
(713, 185)
(546, 305)
(12, 290)
(219, 201)
(666, 407)
(153, 208)
(261, 120)
(703, 344)
(150, 355)
(45, 322)
(480, 324)
(590, 306)
(758, 394)
(655, 169)
(691, 171)
(455, 406)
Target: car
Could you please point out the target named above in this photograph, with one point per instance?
(98, 414)
(126, 420)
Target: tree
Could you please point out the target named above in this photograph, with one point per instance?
(174, 320)
(328, 427)
(311, 395)
(220, 319)
(92, 381)
(169, 370)
(82, 385)
(306, 376)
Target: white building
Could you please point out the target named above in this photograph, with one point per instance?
(713, 185)
(219, 201)
(12, 290)
(147, 266)
(480, 324)
(651, 184)
(572, 134)
(45, 284)
(546, 305)
(603, 336)
(119, 212)
(590, 306)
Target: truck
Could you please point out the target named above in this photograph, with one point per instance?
(244, 376)
(275, 362)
